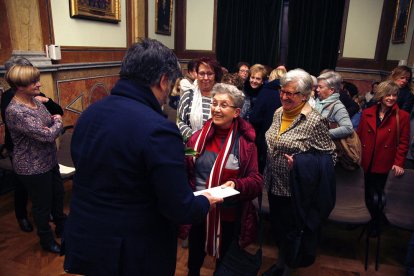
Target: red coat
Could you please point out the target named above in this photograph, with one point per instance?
(380, 144)
(249, 183)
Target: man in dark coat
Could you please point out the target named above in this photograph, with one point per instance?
(130, 189)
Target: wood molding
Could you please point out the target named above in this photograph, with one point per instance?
(46, 22)
(381, 50)
(74, 54)
(180, 37)
(5, 39)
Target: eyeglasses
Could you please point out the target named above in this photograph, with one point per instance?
(288, 94)
(244, 71)
(203, 74)
(222, 105)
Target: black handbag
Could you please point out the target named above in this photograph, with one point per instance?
(237, 261)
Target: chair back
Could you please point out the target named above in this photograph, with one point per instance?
(399, 195)
(350, 204)
(64, 155)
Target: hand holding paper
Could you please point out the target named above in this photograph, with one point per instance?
(219, 191)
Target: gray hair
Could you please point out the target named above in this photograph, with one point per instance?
(302, 78)
(19, 60)
(235, 94)
(332, 79)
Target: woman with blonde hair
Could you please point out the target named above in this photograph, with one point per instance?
(33, 131)
(252, 88)
(265, 106)
(402, 76)
(384, 133)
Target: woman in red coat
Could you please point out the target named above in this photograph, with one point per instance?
(384, 132)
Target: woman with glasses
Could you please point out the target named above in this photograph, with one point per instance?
(194, 107)
(300, 154)
(33, 131)
(330, 107)
(227, 157)
(243, 70)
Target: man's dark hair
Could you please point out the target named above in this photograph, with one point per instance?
(146, 61)
(16, 60)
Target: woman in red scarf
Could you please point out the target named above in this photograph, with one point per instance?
(227, 156)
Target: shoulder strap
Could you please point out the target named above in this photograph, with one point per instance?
(398, 126)
(330, 107)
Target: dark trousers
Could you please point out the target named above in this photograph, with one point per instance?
(281, 217)
(374, 188)
(282, 222)
(20, 196)
(409, 260)
(196, 245)
(46, 192)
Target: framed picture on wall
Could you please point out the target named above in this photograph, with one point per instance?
(163, 16)
(101, 10)
(401, 19)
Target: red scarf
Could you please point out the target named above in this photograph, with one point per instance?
(213, 223)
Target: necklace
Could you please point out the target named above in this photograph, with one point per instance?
(29, 104)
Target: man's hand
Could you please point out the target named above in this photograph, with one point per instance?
(213, 200)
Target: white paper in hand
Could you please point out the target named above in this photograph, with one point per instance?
(219, 192)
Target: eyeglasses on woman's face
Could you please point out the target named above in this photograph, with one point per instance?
(288, 94)
(204, 74)
(222, 105)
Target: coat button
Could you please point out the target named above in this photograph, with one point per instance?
(389, 130)
(386, 146)
(369, 131)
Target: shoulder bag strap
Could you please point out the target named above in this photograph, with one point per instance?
(397, 115)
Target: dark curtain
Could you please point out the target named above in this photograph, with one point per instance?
(248, 31)
(314, 34)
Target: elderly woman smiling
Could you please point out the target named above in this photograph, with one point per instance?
(296, 129)
(227, 157)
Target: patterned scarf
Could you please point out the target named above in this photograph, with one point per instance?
(213, 223)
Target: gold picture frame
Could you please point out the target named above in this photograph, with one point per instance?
(100, 10)
(163, 16)
(401, 19)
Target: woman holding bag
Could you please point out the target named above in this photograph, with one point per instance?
(384, 133)
(226, 156)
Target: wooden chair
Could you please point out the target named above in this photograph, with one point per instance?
(399, 193)
(67, 169)
(350, 207)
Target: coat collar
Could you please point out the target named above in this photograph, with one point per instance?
(129, 89)
(371, 114)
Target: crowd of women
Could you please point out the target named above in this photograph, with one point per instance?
(293, 120)
(247, 131)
